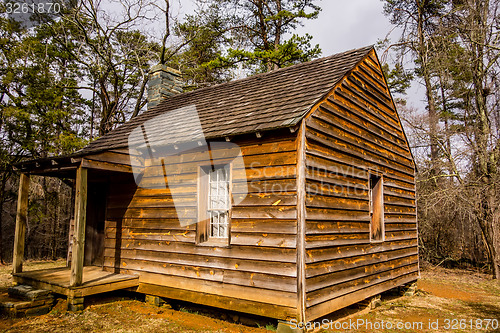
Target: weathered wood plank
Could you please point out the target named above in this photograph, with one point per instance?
(347, 174)
(78, 251)
(151, 224)
(275, 297)
(264, 159)
(324, 214)
(95, 281)
(330, 188)
(273, 254)
(345, 288)
(357, 142)
(330, 240)
(372, 84)
(202, 261)
(258, 173)
(371, 99)
(106, 166)
(352, 154)
(152, 213)
(262, 212)
(254, 238)
(405, 179)
(161, 235)
(325, 254)
(210, 299)
(269, 146)
(264, 226)
(323, 201)
(187, 200)
(335, 227)
(356, 100)
(21, 222)
(351, 262)
(301, 222)
(280, 240)
(332, 115)
(340, 108)
(352, 297)
(336, 278)
(265, 199)
(364, 71)
(259, 280)
(276, 186)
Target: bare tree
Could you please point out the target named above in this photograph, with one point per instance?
(477, 23)
(113, 52)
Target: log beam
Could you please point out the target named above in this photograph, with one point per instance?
(301, 222)
(76, 277)
(21, 221)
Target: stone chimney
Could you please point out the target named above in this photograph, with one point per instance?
(163, 82)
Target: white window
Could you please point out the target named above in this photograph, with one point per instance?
(218, 202)
(214, 205)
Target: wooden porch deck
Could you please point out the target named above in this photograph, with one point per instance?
(95, 281)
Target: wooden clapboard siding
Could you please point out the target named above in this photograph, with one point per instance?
(209, 299)
(355, 130)
(145, 235)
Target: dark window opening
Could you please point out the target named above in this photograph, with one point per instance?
(376, 208)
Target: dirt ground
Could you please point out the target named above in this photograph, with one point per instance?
(446, 301)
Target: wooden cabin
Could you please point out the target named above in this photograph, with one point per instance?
(289, 194)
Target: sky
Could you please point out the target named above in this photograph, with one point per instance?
(343, 25)
(348, 24)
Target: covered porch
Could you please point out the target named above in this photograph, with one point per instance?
(82, 278)
(94, 281)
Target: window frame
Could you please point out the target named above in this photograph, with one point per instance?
(372, 203)
(204, 221)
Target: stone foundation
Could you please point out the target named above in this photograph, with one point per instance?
(25, 301)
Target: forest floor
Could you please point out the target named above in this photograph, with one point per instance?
(447, 300)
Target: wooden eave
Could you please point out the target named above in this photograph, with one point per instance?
(60, 166)
(66, 166)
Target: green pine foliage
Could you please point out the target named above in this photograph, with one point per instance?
(253, 36)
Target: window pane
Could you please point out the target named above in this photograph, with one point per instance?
(218, 189)
(218, 202)
(214, 224)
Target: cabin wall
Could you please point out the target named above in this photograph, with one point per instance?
(353, 132)
(255, 274)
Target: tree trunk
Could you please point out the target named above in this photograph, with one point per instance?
(2, 199)
(433, 118)
(486, 170)
(485, 219)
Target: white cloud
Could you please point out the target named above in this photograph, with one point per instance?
(345, 25)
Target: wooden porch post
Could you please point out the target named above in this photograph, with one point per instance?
(79, 231)
(21, 220)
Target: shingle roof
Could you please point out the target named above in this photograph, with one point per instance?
(258, 103)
